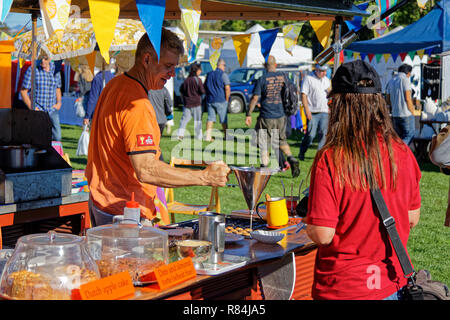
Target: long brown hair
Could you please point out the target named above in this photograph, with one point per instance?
(357, 122)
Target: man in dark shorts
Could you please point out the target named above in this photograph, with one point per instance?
(271, 123)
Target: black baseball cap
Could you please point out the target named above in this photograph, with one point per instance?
(349, 74)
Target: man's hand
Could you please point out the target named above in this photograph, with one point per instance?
(57, 106)
(85, 122)
(308, 114)
(216, 174)
(248, 121)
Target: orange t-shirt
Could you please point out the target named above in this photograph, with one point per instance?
(124, 123)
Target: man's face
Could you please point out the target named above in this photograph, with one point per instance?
(320, 73)
(159, 73)
(45, 64)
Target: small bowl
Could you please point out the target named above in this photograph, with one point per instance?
(198, 250)
(267, 236)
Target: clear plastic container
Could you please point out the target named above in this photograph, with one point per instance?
(128, 247)
(47, 266)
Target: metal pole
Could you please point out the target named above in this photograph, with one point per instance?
(33, 57)
(337, 39)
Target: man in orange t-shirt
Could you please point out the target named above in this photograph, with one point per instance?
(124, 148)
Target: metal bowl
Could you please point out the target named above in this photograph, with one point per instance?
(198, 250)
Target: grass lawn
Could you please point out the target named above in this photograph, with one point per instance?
(428, 244)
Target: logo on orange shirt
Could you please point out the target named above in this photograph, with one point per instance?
(145, 140)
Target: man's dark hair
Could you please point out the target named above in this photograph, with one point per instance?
(405, 68)
(194, 68)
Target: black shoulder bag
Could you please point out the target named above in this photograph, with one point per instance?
(419, 286)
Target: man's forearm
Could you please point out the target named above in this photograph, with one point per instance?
(252, 105)
(26, 98)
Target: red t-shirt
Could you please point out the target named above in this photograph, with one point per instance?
(357, 264)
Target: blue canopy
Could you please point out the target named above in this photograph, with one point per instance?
(431, 31)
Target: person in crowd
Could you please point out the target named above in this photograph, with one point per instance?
(399, 97)
(48, 97)
(124, 149)
(191, 92)
(98, 83)
(440, 155)
(84, 78)
(162, 104)
(362, 151)
(271, 123)
(314, 92)
(217, 87)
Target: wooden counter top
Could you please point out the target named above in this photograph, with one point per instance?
(259, 254)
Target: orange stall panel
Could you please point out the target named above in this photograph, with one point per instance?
(6, 47)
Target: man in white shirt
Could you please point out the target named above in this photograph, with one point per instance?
(315, 89)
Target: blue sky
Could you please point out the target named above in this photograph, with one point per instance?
(18, 19)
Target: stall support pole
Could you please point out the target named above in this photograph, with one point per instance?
(33, 57)
(337, 39)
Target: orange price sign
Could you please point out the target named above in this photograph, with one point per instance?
(174, 273)
(109, 288)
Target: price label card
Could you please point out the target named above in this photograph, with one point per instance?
(109, 288)
(173, 273)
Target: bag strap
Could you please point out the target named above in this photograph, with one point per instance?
(389, 223)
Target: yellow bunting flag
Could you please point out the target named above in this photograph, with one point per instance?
(91, 60)
(386, 57)
(190, 18)
(420, 53)
(55, 15)
(322, 28)
(241, 43)
(104, 16)
(422, 3)
(291, 33)
(216, 44)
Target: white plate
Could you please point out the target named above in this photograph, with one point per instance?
(267, 236)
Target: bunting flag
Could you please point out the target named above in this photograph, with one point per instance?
(386, 57)
(356, 23)
(241, 43)
(190, 18)
(394, 56)
(403, 55)
(412, 54)
(371, 55)
(151, 13)
(420, 53)
(378, 57)
(422, 3)
(5, 6)
(193, 49)
(267, 38)
(291, 33)
(55, 15)
(104, 16)
(322, 28)
(384, 5)
(363, 56)
(91, 60)
(216, 44)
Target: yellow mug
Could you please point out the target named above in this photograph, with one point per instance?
(276, 212)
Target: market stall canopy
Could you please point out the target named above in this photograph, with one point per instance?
(431, 31)
(231, 9)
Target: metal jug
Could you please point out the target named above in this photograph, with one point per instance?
(212, 228)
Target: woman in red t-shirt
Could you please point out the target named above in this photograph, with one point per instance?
(355, 259)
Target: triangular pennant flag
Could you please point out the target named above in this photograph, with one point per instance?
(151, 13)
(422, 3)
(267, 38)
(355, 24)
(370, 55)
(412, 54)
(55, 15)
(190, 18)
(378, 57)
(91, 60)
(291, 33)
(348, 54)
(386, 57)
(104, 16)
(5, 6)
(420, 53)
(394, 56)
(193, 49)
(383, 6)
(241, 43)
(21, 62)
(355, 55)
(322, 28)
(216, 44)
(403, 55)
(363, 56)
(429, 51)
